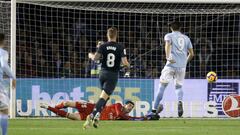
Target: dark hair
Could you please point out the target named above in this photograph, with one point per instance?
(129, 102)
(2, 37)
(175, 25)
(112, 32)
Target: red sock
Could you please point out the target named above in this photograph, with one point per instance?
(60, 106)
(58, 112)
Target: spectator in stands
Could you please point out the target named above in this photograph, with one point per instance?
(151, 73)
(67, 70)
(75, 64)
(143, 29)
(28, 69)
(42, 67)
(130, 39)
(204, 57)
(57, 65)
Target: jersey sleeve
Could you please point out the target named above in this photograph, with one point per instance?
(5, 67)
(100, 49)
(190, 44)
(124, 53)
(119, 112)
(123, 116)
(167, 38)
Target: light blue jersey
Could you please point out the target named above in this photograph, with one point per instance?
(180, 44)
(4, 67)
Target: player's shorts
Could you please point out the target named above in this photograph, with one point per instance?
(84, 109)
(4, 97)
(108, 81)
(170, 73)
(4, 101)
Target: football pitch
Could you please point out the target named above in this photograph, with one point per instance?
(161, 127)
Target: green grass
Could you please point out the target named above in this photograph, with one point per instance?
(161, 127)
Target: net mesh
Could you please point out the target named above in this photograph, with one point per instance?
(5, 21)
(68, 31)
(54, 39)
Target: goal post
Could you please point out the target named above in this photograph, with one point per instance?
(50, 41)
(12, 108)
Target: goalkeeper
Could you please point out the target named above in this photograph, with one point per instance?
(110, 112)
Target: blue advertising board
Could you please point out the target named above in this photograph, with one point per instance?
(32, 91)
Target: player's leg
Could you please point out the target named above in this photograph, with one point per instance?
(58, 112)
(100, 102)
(108, 81)
(65, 104)
(4, 101)
(74, 116)
(60, 105)
(179, 78)
(166, 77)
(159, 96)
(85, 109)
(4, 121)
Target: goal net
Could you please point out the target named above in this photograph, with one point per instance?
(5, 21)
(54, 39)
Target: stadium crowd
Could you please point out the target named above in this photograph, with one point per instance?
(54, 46)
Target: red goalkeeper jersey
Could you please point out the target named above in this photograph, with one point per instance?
(110, 112)
(113, 112)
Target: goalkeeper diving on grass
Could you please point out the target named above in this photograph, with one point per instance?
(110, 112)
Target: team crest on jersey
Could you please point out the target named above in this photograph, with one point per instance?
(231, 106)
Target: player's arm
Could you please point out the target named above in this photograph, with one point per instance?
(190, 51)
(190, 54)
(94, 56)
(127, 66)
(123, 116)
(168, 50)
(97, 55)
(125, 63)
(124, 58)
(119, 113)
(5, 67)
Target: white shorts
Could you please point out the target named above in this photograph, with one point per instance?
(170, 73)
(4, 101)
(4, 98)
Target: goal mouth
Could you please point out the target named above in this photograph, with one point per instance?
(54, 38)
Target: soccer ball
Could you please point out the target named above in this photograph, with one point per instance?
(211, 77)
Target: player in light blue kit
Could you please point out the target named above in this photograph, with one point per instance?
(179, 52)
(4, 89)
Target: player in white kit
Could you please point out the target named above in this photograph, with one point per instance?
(179, 52)
(4, 89)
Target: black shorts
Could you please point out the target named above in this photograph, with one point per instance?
(108, 81)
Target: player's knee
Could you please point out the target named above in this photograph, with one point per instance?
(73, 116)
(178, 86)
(66, 103)
(164, 84)
(104, 95)
(5, 111)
